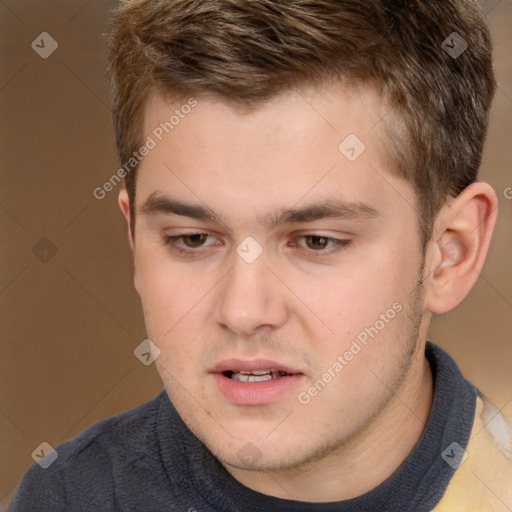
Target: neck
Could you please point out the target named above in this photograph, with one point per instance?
(364, 462)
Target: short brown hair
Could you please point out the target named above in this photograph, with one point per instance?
(248, 51)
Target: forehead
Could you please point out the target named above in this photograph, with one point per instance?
(292, 118)
(306, 144)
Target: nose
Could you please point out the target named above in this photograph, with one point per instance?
(251, 298)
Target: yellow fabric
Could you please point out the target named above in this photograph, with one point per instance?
(483, 481)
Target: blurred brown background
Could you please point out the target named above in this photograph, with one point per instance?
(70, 318)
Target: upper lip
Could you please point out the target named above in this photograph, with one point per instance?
(234, 365)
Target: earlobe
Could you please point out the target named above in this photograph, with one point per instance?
(457, 252)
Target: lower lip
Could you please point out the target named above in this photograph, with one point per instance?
(256, 393)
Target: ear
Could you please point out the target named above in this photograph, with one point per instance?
(124, 204)
(457, 251)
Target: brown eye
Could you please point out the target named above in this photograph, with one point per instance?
(195, 240)
(317, 243)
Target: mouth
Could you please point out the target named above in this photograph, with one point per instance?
(257, 382)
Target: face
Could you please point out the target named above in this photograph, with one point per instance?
(278, 271)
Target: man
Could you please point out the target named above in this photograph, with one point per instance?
(301, 197)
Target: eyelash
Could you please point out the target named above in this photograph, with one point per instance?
(338, 244)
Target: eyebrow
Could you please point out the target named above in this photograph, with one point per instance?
(328, 208)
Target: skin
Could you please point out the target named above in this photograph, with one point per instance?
(301, 302)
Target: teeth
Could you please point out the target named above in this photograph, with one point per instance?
(241, 377)
(257, 375)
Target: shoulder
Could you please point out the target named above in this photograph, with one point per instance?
(129, 432)
(88, 464)
(483, 479)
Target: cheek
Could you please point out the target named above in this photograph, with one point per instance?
(346, 300)
(164, 294)
(175, 304)
(361, 309)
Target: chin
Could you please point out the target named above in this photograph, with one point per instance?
(255, 461)
(258, 455)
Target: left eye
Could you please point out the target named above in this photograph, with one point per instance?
(188, 241)
(319, 243)
(316, 242)
(194, 240)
